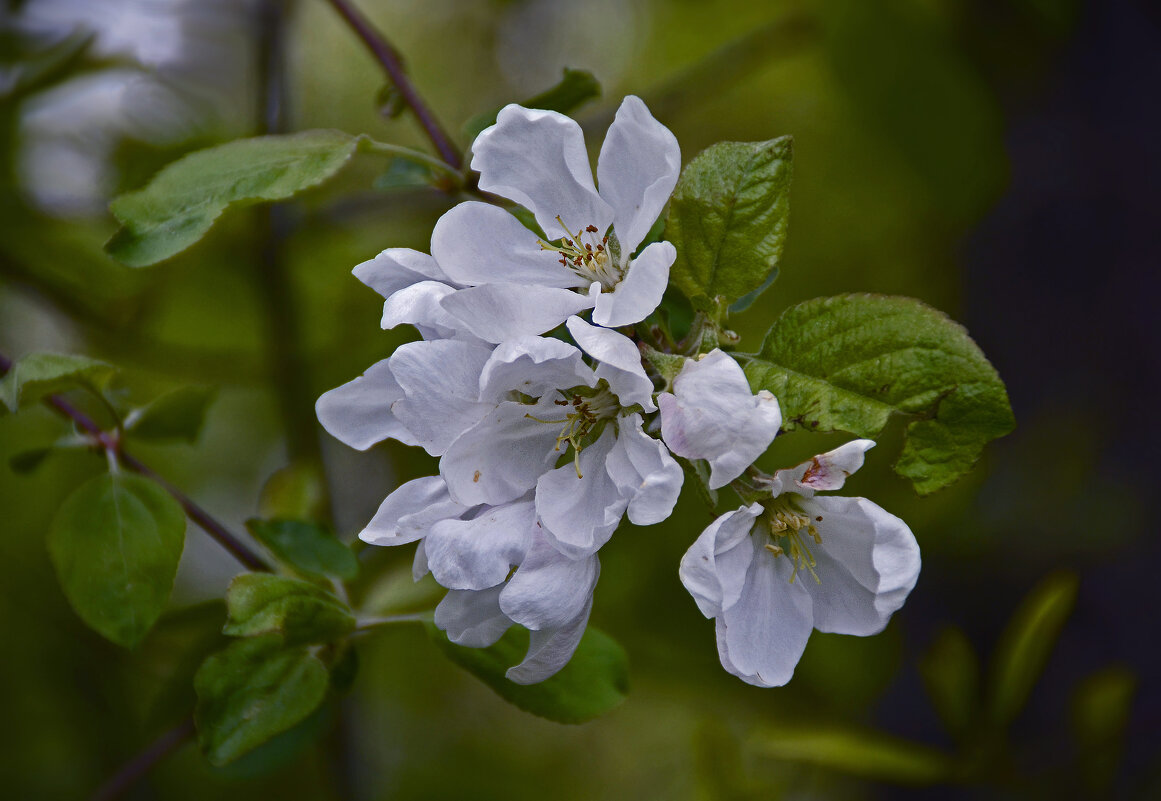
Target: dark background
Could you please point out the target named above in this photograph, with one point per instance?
(995, 159)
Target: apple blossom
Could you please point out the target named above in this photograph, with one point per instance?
(771, 571)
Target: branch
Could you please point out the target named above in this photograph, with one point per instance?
(112, 443)
(389, 59)
(133, 770)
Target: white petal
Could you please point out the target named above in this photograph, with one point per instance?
(419, 563)
(419, 305)
(644, 472)
(538, 159)
(478, 553)
(397, 268)
(714, 568)
(441, 384)
(549, 590)
(827, 471)
(358, 413)
(501, 457)
(581, 514)
(478, 243)
(637, 170)
(533, 366)
(762, 636)
(639, 292)
(472, 617)
(867, 564)
(620, 362)
(409, 512)
(712, 415)
(496, 312)
(549, 650)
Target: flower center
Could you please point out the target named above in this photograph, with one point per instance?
(586, 410)
(789, 529)
(590, 260)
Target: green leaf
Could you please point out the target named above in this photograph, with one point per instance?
(575, 88)
(594, 681)
(40, 374)
(951, 674)
(260, 603)
(847, 363)
(307, 547)
(865, 753)
(252, 691)
(1026, 644)
(404, 174)
(28, 461)
(116, 543)
(182, 201)
(728, 219)
(1101, 707)
(297, 491)
(175, 415)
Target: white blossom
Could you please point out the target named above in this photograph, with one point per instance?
(770, 572)
(516, 284)
(549, 402)
(712, 415)
(500, 570)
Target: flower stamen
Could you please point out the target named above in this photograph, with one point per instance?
(588, 409)
(589, 260)
(789, 530)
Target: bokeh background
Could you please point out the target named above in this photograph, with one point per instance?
(997, 159)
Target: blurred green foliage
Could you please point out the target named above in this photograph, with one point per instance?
(898, 155)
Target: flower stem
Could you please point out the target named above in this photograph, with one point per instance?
(111, 443)
(398, 151)
(136, 768)
(389, 59)
(371, 623)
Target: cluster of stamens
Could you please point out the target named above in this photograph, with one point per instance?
(584, 413)
(589, 260)
(789, 531)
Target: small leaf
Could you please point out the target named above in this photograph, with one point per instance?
(1101, 707)
(951, 674)
(259, 603)
(847, 363)
(40, 374)
(175, 415)
(865, 753)
(307, 547)
(27, 461)
(1026, 644)
(575, 88)
(116, 543)
(252, 691)
(404, 174)
(594, 681)
(728, 219)
(296, 492)
(182, 201)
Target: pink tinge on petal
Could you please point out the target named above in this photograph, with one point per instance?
(830, 470)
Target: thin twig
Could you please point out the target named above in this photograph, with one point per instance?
(113, 443)
(133, 770)
(389, 59)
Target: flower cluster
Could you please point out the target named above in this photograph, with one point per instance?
(545, 443)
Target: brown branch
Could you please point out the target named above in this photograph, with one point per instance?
(133, 770)
(112, 442)
(389, 59)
